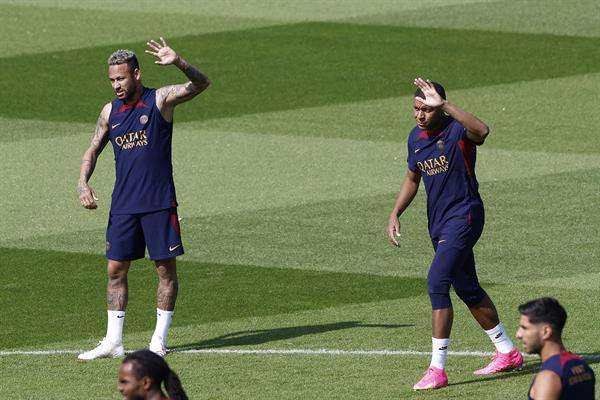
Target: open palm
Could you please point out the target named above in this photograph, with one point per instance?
(162, 52)
(432, 97)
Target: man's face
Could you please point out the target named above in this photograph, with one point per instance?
(531, 335)
(129, 385)
(425, 116)
(123, 81)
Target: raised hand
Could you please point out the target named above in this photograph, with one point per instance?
(432, 97)
(163, 52)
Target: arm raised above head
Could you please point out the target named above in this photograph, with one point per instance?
(169, 96)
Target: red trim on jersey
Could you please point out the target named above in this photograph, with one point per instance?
(139, 104)
(175, 222)
(566, 356)
(466, 149)
(423, 135)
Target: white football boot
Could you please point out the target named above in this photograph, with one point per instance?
(105, 349)
(157, 347)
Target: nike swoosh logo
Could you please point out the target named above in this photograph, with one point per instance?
(115, 125)
(417, 150)
(171, 248)
(441, 241)
(120, 316)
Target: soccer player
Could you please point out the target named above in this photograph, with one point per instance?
(441, 151)
(142, 374)
(563, 375)
(143, 213)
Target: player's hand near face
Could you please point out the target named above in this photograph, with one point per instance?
(162, 52)
(432, 97)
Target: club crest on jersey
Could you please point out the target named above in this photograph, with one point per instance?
(440, 145)
(143, 119)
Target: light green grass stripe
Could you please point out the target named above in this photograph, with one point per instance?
(533, 115)
(43, 29)
(576, 18)
(284, 10)
(220, 173)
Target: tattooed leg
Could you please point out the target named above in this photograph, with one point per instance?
(166, 294)
(116, 290)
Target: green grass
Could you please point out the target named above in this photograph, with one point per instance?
(297, 65)
(209, 292)
(286, 171)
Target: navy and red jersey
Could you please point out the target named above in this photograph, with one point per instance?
(141, 140)
(446, 161)
(576, 376)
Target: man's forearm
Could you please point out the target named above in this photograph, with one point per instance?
(468, 120)
(407, 193)
(198, 79)
(88, 164)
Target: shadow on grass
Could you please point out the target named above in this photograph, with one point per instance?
(529, 367)
(253, 337)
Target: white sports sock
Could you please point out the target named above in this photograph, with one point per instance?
(500, 339)
(163, 322)
(114, 327)
(439, 352)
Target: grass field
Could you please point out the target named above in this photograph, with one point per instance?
(286, 171)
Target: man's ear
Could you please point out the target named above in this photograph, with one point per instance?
(137, 74)
(547, 332)
(146, 383)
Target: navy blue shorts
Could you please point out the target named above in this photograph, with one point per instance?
(128, 235)
(454, 263)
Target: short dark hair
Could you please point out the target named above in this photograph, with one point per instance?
(545, 310)
(438, 88)
(123, 56)
(146, 363)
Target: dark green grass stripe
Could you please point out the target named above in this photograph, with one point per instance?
(55, 296)
(297, 65)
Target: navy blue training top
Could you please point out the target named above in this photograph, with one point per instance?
(446, 161)
(141, 140)
(576, 376)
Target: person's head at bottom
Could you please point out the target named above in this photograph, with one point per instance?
(541, 324)
(142, 374)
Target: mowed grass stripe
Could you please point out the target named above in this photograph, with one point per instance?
(298, 65)
(27, 29)
(519, 121)
(61, 295)
(578, 18)
(521, 241)
(217, 173)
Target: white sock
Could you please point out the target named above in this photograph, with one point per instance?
(163, 322)
(500, 339)
(439, 352)
(114, 327)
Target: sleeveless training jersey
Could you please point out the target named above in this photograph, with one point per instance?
(446, 161)
(141, 140)
(576, 376)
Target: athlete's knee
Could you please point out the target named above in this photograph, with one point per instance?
(439, 294)
(472, 296)
(117, 271)
(166, 270)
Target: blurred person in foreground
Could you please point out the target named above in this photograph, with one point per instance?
(563, 375)
(142, 374)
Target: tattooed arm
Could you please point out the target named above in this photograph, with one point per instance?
(87, 196)
(169, 96)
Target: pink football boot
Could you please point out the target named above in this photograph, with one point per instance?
(502, 362)
(434, 378)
